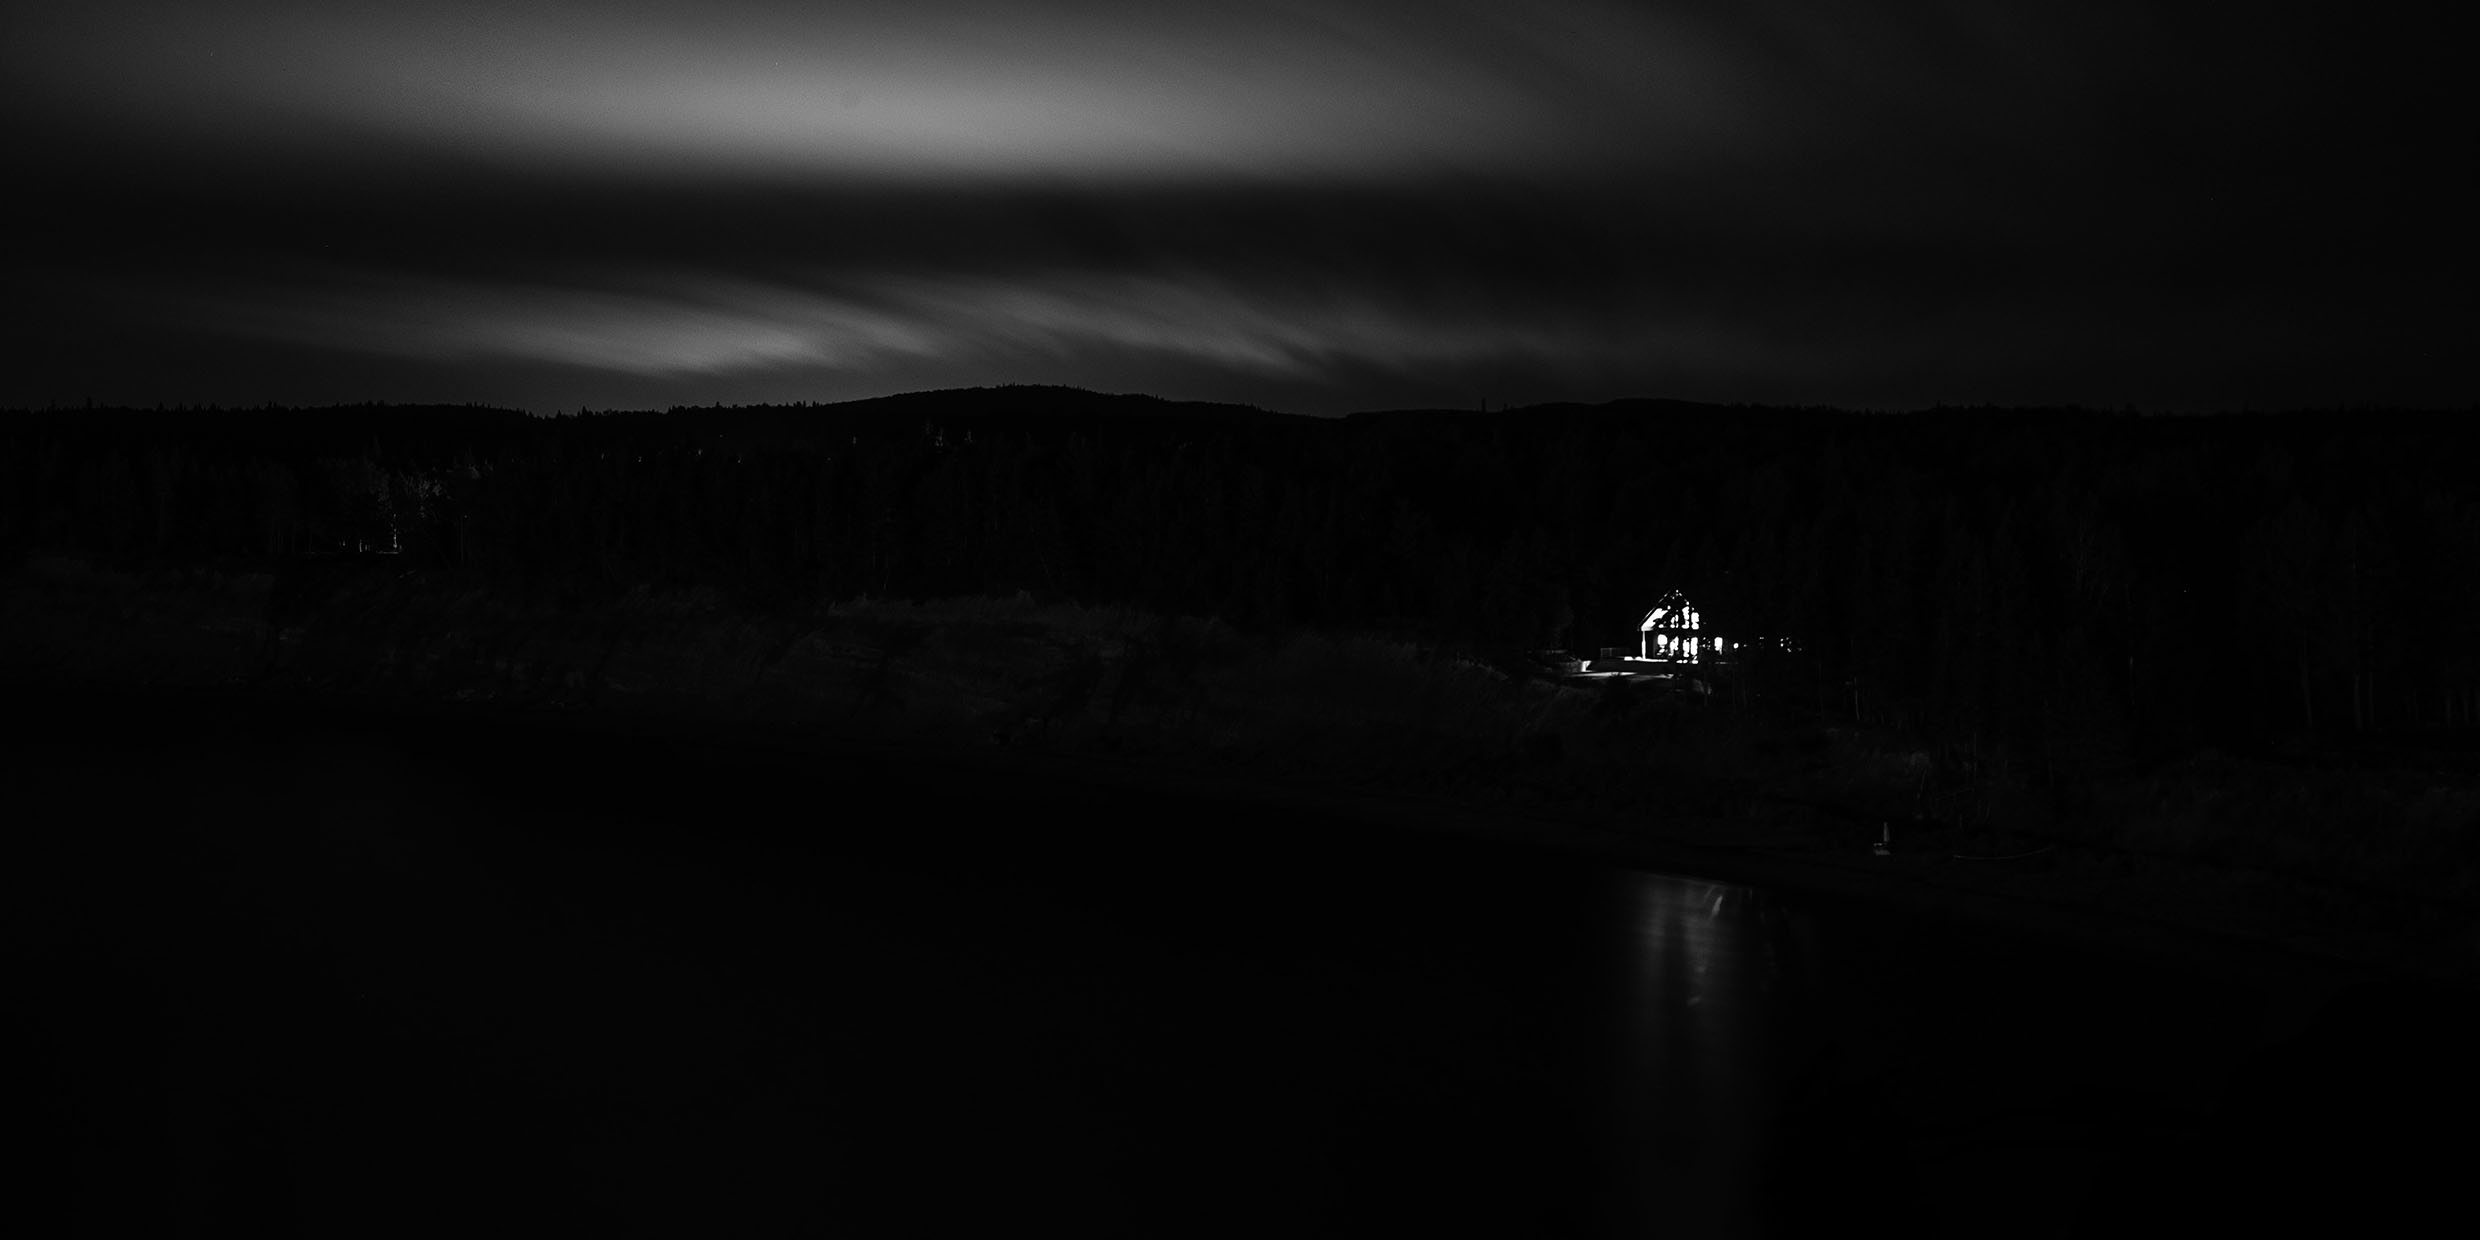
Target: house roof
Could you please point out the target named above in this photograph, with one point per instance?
(1673, 611)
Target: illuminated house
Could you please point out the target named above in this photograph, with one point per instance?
(1674, 631)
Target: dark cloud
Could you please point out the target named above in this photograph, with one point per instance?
(1323, 207)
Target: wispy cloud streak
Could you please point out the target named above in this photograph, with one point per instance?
(1170, 88)
(697, 323)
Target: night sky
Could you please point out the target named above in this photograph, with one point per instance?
(1318, 207)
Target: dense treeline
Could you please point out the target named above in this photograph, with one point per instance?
(2055, 591)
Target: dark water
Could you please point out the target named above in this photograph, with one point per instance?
(275, 976)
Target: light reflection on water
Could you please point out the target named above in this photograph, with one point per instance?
(1713, 971)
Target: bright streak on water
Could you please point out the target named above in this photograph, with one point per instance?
(1707, 984)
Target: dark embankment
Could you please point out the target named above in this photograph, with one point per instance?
(2367, 865)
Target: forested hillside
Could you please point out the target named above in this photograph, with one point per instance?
(2057, 591)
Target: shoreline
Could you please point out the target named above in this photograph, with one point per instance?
(1911, 885)
(2113, 915)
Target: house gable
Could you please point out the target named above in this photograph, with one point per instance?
(1674, 630)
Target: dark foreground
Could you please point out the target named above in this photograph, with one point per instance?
(283, 972)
